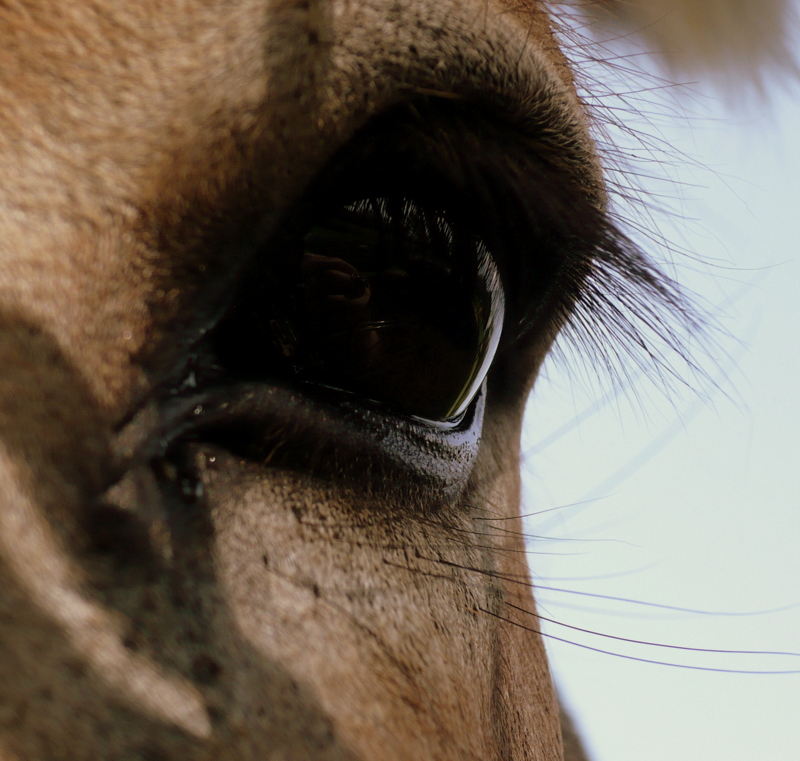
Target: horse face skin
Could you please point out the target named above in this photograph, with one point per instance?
(166, 593)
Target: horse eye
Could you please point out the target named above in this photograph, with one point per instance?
(385, 298)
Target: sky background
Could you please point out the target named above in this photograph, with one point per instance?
(684, 498)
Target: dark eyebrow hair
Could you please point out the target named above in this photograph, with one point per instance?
(538, 202)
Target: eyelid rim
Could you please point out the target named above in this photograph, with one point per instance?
(344, 440)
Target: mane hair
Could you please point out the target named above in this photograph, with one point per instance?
(731, 40)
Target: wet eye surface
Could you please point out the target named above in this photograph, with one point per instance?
(389, 298)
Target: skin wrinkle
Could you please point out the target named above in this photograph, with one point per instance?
(41, 567)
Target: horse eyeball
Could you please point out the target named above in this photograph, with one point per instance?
(383, 298)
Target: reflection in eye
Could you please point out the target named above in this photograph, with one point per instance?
(386, 299)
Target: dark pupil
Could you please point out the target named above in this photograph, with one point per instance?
(384, 299)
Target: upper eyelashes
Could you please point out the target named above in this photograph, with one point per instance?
(435, 238)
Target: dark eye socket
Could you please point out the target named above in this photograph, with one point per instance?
(389, 298)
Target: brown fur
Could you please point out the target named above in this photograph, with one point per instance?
(195, 603)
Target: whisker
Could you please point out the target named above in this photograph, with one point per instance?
(637, 658)
(661, 606)
(653, 644)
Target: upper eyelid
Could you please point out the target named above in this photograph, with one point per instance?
(478, 153)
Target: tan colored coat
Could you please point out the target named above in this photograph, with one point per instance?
(166, 592)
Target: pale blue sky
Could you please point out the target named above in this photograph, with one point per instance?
(694, 503)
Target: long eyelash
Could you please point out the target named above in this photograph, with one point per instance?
(564, 258)
(628, 309)
(660, 317)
